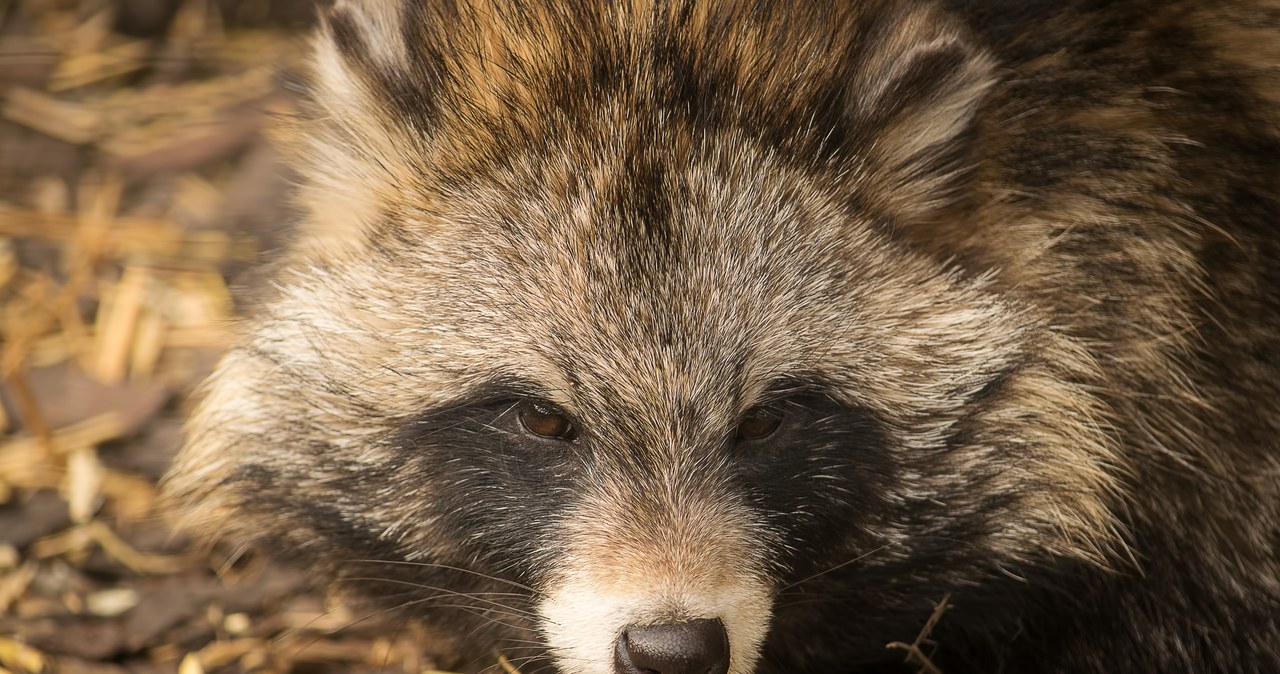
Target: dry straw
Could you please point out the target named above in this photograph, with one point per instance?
(132, 146)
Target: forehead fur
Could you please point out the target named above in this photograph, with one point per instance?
(635, 191)
(421, 99)
(721, 278)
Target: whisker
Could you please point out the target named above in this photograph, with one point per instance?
(444, 590)
(470, 609)
(479, 613)
(476, 610)
(513, 664)
(835, 568)
(545, 654)
(435, 565)
(547, 667)
(523, 641)
(808, 601)
(278, 640)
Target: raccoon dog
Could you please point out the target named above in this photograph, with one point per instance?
(727, 337)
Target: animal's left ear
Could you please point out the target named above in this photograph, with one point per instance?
(914, 101)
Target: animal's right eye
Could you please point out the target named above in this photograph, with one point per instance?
(546, 421)
(759, 423)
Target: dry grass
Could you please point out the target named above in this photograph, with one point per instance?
(135, 186)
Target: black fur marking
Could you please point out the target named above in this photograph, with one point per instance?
(816, 478)
(495, 485)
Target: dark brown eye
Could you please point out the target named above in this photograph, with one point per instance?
(759, 422)
(546, 421)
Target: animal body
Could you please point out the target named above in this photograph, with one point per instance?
(705, 337)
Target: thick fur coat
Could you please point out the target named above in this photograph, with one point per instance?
(846, 307)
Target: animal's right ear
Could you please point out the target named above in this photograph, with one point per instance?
(360, 48)
(366, 120)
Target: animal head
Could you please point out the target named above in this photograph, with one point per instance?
(600, 309)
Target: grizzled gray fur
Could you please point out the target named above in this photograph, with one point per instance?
(731, 336)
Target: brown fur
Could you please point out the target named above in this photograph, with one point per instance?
(1027, 250)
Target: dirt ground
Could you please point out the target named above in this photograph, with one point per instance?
(137, 187)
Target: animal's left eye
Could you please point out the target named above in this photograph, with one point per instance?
(759, 422)
(546, 421)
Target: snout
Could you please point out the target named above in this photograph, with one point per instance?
(692, 647)
(658, 581)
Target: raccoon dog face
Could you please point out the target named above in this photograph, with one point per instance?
(599, 346)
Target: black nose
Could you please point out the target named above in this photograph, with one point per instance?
(694, 647)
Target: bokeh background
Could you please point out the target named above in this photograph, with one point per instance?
(139, 184)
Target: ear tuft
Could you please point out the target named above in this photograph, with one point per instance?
(354, 149)
(369, 31)
(360, 46)
(916, 100)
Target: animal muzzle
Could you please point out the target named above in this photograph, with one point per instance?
(665, 576)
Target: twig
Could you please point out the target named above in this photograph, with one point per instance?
(915, 654)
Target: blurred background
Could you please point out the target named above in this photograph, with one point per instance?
(138, 185)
